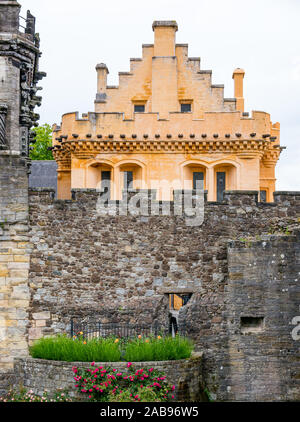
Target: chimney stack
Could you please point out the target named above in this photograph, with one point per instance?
(102, 72)
(164, 38)
(238, 77)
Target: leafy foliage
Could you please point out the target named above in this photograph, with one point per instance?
(109, 385)
(22, 395)
(43, 138)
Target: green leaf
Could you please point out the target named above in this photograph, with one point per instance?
(43, 137)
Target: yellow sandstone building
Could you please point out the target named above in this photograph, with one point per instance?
(166, 126)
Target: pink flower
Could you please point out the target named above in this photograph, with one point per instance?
(173, 397)
(90, 390)
(90, 397)
(93, 363)
(151, 369)
(129, 364)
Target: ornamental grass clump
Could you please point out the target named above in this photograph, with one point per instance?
(158, 348)
(63, 348)
(111, 349)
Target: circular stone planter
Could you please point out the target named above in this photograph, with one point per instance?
(41, 375)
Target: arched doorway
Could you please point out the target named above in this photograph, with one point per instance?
(194, 176)
(130, 175)
(100, 176)
(225, 178)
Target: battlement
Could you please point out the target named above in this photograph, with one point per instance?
(91, 127)
(286, 203)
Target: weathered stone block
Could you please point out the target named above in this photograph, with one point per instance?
(41, 315)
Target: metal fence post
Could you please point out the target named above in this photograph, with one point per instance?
(72, 328)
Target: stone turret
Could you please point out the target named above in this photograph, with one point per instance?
(19, 58)
(19, 75)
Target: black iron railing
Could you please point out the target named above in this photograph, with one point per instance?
(95, 329)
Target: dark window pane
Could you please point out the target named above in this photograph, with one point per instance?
(221, 183)
(185, 108)
(198, 180)
(251, 324)
(105, 181)
(128, 180)
(139, 108)
(263, 196)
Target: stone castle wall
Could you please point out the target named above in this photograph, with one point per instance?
(41, 375)
(121, 269)
(246, 333)
(264, 282)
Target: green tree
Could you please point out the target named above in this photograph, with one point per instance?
(43, 138)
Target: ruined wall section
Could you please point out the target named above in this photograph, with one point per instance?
(262, 299)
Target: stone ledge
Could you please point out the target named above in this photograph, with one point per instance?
(263, 241)
(241, 192)
(286, 192)
(185, 374)
(194, 356)
(41, 190)
(172, 24)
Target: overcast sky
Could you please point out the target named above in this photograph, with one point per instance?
(261, 36)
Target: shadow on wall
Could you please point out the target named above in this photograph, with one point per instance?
(43, 175)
